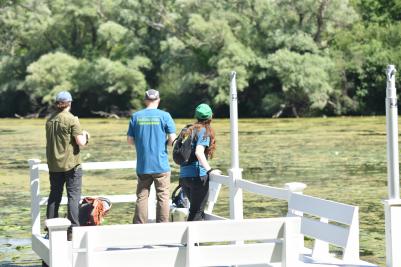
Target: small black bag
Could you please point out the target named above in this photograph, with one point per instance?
(179, 199)
(183, 151)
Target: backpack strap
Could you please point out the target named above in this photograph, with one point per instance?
(175, 191)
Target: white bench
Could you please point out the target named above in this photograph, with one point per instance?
(271, 242)
(328, 223)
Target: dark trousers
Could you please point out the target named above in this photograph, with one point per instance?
(197, 193)
(73, 181)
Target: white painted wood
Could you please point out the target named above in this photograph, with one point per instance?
(214, 190)
(59, 247)
(345, 236)
(351, 251)
(176, 254)
(234, 121)
(273, 192)
(35, 195)
(226, 255)
(43, 167)
(131, 235)
(191, 257)
(228, 230)
(295, 187)
(172, 233)
(334, 211)
(291, 249)
(123, 243)
(211, 217)
(392, 210)
(41, 247)
(109, 165)
(331, 233)
(90, 246)
(144, 257)
(220, 179)
(152, 201)
(393, 171)
(235, 173)
(113, 198)
(236, 198)
(308, 261)
(320, 247)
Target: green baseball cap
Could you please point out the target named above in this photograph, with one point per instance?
(203, 112)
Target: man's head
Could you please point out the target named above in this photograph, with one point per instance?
(63, 100)
(203, 112)
(152, 98)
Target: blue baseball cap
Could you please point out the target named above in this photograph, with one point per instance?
(64, 96)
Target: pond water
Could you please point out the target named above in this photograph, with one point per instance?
(341, 159)
(17, 252)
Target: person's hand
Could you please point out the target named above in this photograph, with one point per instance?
(216, 171)
(87, 135)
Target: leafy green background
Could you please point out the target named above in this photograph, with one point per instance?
(292, 57)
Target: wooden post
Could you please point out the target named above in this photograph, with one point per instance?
(59, 250)
(351, 251)
(298, 188)
(321, 249)
(214, 189)
(35, 195)
(392, 206)
(392, 209)
(291, 238)
(235, 173)
(190, 256)
(152, 204)
(236, 199)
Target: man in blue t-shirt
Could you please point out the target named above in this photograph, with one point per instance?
(151, 130)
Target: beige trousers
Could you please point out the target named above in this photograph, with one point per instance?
(162, 185)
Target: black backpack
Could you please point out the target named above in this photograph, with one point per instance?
(178, 199)
(183, 151)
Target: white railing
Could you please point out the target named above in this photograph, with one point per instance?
(298, 204)
(37, 200)
(273, 241)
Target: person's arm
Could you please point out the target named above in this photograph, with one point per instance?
(200, 155)
(130, 140)
(170, 138)
(170, 129)
(82, 139)
(131, 132)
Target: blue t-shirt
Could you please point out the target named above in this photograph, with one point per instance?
(195, 169)
(149, 128)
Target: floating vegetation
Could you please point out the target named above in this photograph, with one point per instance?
(341, 159)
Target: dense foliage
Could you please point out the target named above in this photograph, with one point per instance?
(292, 57)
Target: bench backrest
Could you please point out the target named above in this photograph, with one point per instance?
(173, 244)
(337, 224)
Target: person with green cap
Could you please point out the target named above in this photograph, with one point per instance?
(194, 175)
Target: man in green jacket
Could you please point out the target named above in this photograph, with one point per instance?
(64, 137)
